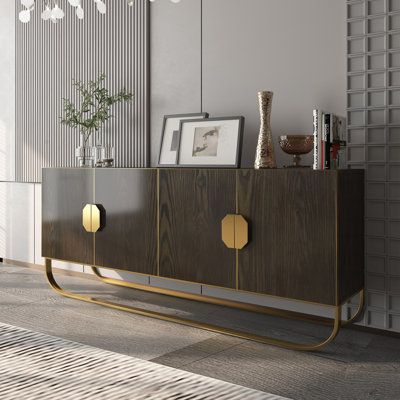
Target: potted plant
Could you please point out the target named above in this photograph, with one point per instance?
(93, 112)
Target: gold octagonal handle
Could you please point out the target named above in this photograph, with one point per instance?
(91, 218)
(241, 232)
(228, 231)
(235, 231)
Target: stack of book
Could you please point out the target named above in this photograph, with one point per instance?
(329, 140)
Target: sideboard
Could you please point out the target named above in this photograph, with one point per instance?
(291, 233)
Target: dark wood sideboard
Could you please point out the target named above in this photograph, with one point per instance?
(305, 227)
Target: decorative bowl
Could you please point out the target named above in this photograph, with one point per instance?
(296, 145)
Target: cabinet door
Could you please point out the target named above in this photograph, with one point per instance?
(292, 215)
(65, 192)
(128, 240)
(192, 205)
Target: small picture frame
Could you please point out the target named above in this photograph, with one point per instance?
(170, 137)
(213, 142)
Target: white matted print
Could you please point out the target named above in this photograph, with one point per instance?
(211, 142)
(205, 141)
(170, 137)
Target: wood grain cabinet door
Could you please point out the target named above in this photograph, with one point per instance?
(292, 217)
(65, 192)
(192, 206)
(128, 240)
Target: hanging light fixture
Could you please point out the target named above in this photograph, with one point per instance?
(173, 1)
(132, 2)
(25, 15)
(53, 12)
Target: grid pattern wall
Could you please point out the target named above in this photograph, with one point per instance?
(373, 101)
(49, 56)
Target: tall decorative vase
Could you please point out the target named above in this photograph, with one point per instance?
(265, 156)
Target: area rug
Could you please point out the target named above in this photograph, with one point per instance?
(37, 366)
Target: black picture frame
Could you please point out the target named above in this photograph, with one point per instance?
(239, 145)
(166, 117)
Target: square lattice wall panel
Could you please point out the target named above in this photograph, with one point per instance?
(373, 101)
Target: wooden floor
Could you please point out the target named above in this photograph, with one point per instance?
(357, 365)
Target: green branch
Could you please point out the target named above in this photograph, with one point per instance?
(95, 106)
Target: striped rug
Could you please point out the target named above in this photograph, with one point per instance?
(37, 366)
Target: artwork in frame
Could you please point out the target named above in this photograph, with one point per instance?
(170, 137)
(213, 142)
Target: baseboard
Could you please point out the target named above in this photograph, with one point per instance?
(40, 267)
(84, 275)
(376, 331)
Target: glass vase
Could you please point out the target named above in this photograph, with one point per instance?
(84, 153)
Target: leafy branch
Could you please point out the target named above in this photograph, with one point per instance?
(95, 106)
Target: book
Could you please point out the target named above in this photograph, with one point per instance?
(315, 130)
(327, 141)
(317, 123)
(338, 140)
(329, 132)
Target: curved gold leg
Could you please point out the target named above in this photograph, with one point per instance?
(234, 304)
(197, 324)
(359, 311)
(213, 300)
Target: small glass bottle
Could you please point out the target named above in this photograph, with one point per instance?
(98, 151)
(108, 156)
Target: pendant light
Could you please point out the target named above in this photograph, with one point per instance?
(53, 12)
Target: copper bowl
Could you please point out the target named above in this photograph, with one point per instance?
(296, 145)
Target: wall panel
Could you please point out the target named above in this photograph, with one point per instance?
(49, 56)
(175, 63)
(216, 55)
(7, 90)
(286, 46)
(373, 112)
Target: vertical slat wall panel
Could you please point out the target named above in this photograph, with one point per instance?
(49, 56)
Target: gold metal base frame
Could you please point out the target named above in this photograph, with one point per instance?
(336, 322)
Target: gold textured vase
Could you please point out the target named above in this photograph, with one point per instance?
(265, 156)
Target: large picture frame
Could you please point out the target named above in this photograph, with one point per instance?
(213, 142)
(169, 146)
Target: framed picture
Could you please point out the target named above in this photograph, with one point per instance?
(170, 137)
(214, 142)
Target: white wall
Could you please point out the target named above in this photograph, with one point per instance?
(295, 48)
(7, 90)
(17, 221)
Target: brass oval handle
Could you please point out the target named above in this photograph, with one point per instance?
(91, 218)
(235, 231)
